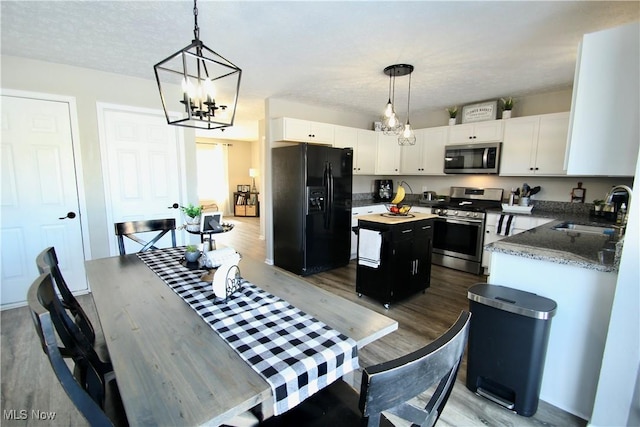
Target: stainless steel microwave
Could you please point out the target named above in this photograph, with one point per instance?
(472, 158)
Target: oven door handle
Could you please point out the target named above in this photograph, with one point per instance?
(457, 221)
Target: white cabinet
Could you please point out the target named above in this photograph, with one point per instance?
(288, 129)
(534, 145)
(520, 224)
(604, 130)
(355, 213)
(388, 155)
(489, 131)
(364, 146)
(427, 156)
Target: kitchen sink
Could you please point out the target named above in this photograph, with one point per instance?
(594, 229)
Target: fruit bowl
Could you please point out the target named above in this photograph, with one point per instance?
(401, 209)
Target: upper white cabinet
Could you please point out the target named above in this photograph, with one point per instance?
(604, 131)
(535, 145)
(489, 131)
(388, 155)
(427, 156)
(296, 130)
(364, 144)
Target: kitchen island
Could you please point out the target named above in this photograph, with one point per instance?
(394, 255)
(578, 270)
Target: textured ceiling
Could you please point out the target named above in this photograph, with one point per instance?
(328, 53)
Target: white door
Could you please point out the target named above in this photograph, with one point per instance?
(142, 168)
(40, 202)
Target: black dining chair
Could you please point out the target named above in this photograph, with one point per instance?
(129, 229)
(92, 380)
(388, 387)
(47, 262)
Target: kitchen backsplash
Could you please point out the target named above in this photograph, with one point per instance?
(543, 205)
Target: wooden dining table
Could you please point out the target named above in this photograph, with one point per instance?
(172, 368)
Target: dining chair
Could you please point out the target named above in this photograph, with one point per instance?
(87, 385)
(388, 387)
(129, 229)
(47, 262)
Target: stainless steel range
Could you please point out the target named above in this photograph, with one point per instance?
(459, 229)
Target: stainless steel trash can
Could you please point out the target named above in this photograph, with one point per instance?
(508, 339)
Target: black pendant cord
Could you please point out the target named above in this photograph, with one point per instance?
(409, 98)
(196, 29)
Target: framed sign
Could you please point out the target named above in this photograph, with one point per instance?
(480, 112)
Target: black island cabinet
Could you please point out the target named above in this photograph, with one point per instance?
(394, 256)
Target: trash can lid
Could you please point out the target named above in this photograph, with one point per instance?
(513, 300)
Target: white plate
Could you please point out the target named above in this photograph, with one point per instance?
(516, 208)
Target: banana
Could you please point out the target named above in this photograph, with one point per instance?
(399, 195)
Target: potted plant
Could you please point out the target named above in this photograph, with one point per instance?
(507, 106)
(597, 205)
(192, 216)
(453, 112)
(191, 253)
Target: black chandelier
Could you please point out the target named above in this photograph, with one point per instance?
(390, 122)
(198, 87)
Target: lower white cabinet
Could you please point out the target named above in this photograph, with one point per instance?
(355, 213)
(520, 224)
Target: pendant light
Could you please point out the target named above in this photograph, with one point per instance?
(198, 87)
(408, 136)
(390, 122)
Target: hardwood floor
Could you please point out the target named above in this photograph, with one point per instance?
(28, 381)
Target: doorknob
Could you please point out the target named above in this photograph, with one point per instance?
(173, 206)
(70, 215)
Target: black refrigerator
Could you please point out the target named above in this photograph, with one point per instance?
(311, 207)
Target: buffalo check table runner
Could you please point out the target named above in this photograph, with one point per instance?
(295, 353)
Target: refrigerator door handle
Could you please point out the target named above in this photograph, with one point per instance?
(330, 196)
(327, 202)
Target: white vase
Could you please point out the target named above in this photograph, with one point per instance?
(193, 223)
(506, 114)
(452, 121)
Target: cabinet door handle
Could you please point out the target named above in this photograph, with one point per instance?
(407, 231)
(426, 227)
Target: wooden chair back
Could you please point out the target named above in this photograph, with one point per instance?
(87, 388)
(389, 385)
(47, 262)
(129, 229)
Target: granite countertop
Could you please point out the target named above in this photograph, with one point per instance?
(586, 250)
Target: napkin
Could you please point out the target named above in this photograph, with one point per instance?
(220, 256)
(220, 278)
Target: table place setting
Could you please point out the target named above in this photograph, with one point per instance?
(294, 352)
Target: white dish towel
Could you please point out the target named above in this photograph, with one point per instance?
(369, 244)
(504, 224)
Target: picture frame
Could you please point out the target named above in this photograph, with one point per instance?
(211, 222)
(480, 112)
(246, 188)
(239, 188)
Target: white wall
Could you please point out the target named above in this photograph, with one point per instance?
(617, 400)
(89, 87)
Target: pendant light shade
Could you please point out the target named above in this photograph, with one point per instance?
(408, 136)
(198, 85)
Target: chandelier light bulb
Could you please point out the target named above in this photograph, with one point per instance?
(392, 120)
(389, 110)
(209, 89)
(407, 130)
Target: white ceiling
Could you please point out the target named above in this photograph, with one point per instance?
(328, 53)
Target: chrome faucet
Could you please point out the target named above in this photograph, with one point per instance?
(611, 192)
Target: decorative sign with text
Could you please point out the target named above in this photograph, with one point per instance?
(480, 112)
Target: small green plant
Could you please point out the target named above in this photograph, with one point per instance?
(453, 112)
(507, 103)
(598, 202)
(192, 248)
(191, 210)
